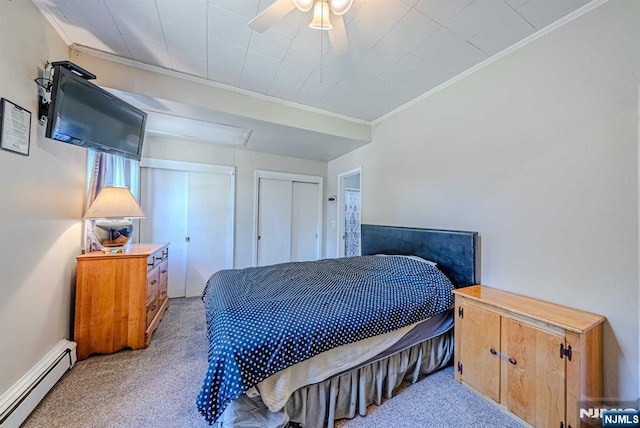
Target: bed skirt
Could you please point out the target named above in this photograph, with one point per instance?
(344, 395)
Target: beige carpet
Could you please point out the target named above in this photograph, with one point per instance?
(157, 387)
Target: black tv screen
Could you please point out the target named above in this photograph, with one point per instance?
(84, 114)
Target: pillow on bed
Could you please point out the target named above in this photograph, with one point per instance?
(420, 259)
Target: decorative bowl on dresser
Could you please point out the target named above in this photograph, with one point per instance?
(120, 298)
(536, 358)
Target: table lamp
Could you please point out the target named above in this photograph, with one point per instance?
(111, 210)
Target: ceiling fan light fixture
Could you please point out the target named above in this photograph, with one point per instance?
(340, 7)
(321, 16)
(304, 5)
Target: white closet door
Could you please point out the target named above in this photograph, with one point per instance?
(163, 197)
(193, 211)
(208, 221)
(304, 221)
(274, 221)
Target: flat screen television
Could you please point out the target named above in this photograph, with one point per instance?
(84, 114)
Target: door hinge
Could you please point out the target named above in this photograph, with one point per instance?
(460, 311)
(565, 352)
(459, 367)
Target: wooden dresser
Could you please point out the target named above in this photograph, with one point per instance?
(120, 298)
(535, 358)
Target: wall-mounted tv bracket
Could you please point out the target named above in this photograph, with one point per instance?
(44, 97)
(75, 69)
(46, 83)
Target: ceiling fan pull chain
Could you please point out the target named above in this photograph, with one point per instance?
(321, 37)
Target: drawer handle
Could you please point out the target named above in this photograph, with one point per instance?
(164, 293)
(149, 264)
(163, 271)
(154, 282)
(157, 258)
(504, 357)
(153, 308)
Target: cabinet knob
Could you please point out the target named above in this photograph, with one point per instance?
(154, 282)
(163, 271)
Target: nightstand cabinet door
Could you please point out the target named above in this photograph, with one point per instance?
(479, 367)
(535, 378)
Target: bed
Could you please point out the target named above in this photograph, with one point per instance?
(307, 343)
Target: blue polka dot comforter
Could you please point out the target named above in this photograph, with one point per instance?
(262, 320)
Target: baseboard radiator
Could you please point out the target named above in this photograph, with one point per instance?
(20, 400)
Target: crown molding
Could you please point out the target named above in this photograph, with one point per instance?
(201, 80)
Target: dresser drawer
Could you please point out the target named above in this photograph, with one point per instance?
(153, 281)
(152, 307)
(162, 294)
(163, 271)
(156, 258)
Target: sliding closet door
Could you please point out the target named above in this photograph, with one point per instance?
(288, 217)
(304, 221)
(163, 198)
(208, 219)
(193, 211)
(274, 221)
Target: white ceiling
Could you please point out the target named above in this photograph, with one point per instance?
(398, 49)
(266, 137)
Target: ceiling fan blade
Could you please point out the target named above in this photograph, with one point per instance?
(271, 15)
(338, 35)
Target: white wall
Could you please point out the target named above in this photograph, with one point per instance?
(41, 197)
(246, 164)
(539, 153)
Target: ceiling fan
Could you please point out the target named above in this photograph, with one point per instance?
(327, 15)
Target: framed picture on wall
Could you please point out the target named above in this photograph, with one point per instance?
(15, 127)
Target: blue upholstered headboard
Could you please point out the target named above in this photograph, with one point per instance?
(456, 252)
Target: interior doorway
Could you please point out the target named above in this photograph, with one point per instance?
(349, 212)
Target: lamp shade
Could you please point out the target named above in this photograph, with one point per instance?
(114, 202)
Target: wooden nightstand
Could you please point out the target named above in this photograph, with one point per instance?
(120, 298)
(536, 358)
